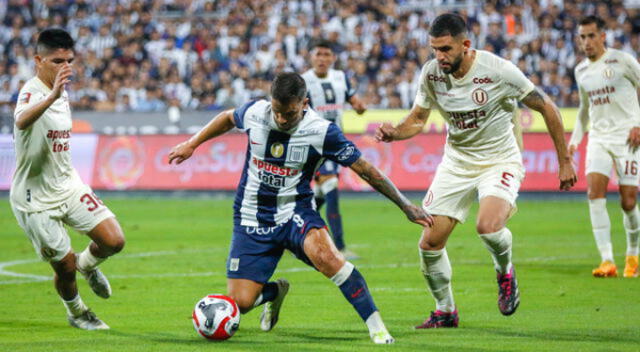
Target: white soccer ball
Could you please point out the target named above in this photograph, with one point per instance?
(216, 317)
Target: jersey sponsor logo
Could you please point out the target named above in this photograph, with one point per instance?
(329, 107)
(346, 152)
(277, 149)
(436, 78)
(601, 91)
(479, 96)
(297, 153)
(272, 180)
(466, 120)
(274, 169)
(254, 142)
(608, 73)
(611, 61)
(483, 80)
(59, 134)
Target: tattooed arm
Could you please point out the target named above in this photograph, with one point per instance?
(540, 102)
(382, 184)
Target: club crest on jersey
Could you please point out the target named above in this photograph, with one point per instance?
(346, 152)
(24, 99)
(608, 73)
(277, 149)
(479, 96)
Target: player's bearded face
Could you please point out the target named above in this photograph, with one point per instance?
(449, 52)
(288, 115)
(51, 62)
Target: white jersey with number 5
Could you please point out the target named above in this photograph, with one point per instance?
(608, 87)
(44, 176)
(478, 108)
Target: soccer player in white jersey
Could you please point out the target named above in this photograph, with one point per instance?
(477, 93)
(328, 91)
(274, 208)
(47, 192)
(608, 80)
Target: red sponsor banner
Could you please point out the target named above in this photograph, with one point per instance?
(140, 162)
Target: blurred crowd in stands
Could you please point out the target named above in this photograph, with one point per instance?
(148, 55)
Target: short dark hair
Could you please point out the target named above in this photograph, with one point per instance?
(321, 43)
(448, 24)
(53, 39)
(593, 19)
(288, 86)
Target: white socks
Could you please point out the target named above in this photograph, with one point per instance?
(375, 324)
(499, 245)
(75, 306)
(436, 269)
(631, 220)
(87, 261)
(601, 227)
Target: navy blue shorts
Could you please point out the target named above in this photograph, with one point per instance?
(256, 251)
(328, 167)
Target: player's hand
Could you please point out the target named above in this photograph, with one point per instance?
(567, 175)
(385, 132)
(181, 152)
(634, 139)
(359, 107)
(62, 78)
(417, 215)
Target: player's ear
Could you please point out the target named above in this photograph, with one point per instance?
(466, 43)
(305, 103)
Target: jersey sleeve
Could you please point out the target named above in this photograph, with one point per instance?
(518, 85)
(338, 148)
(239, 113)
(350, 91)
(632, 70)
(423, 98)
(26, 99)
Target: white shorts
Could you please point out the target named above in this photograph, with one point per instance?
(454, 189)
(601, 157)
(83, 211)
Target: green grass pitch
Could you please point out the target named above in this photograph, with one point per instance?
(176, 251)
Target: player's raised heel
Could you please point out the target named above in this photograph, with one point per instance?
(440, 319)
(382, 338)
(87, 321)
(508, 293)
(606, 269)
(271, 311)
(631, 266)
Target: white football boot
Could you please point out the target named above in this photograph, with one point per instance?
(87, 321)
(271, 311)
(97, 281)
(382, 338)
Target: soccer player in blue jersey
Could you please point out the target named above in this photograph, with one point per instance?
(273, 208)
(328, 91)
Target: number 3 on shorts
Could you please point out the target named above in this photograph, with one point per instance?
(506, 178)
(91, 200)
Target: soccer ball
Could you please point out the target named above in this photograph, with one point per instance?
(216, 317)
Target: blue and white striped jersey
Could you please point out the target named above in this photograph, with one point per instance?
(280, 164)
(329, 95)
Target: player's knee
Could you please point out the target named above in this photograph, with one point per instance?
(114, 244)
(244, 302)
(327, 261)
(628, 203)
(428, 243)
(485, 226)
(66, 268)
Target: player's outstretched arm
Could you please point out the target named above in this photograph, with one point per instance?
(222, 123)
(28, 117)
(410, 125)
(540, 102)
(381, 183)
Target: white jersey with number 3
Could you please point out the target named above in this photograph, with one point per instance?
(44, 176)
(478, 108)
(608, 87)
